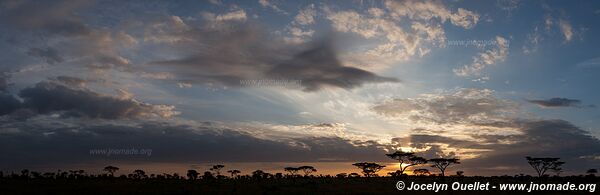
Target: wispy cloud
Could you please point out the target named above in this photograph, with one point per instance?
(484, 59)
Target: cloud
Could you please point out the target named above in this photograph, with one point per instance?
(33, 142)
(558, 19)
(566, 29)
(67, 36)
(54, 18)
(461, 106)
(532, 42)
(267, 3)
(590, 63)
(216, 2)
(49, 54)
(8, 104)
(50, 97)
(239, 15)
(486, 132)
(4, 83)
(505, 154)
(226, 62)
(428, 10)
(318, 67)
(403, 29)
(71, 81)
(539, 139)
(306, 16)
(484, 59)
(558, 102)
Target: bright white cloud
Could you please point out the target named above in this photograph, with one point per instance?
(485, 59)
(388, 27)
(428, 10)
(267, 3)
(566, 29)
(307, 15)
(239, 15)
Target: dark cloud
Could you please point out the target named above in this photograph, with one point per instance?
(35, 143)
(71, 81)
(228, 55)
(51, 17)
(505, 154)
(47, 97)
(50, 55)
(8, 104)
(3, 83)
(559, 102)
(59, 31)
(50, 97)
(318, 67)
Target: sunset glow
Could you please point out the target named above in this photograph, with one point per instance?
(170, 86)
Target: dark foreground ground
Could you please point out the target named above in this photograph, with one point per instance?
(288, 186)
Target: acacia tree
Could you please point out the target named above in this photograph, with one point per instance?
(369, 169)
(307, 170)
(292, 171)
(541, 165)
(111, 170)
(192, 174)
(443, 163)
(217, 169)
(407, 159)
(234, 173)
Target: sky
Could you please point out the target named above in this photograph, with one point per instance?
(273, 82)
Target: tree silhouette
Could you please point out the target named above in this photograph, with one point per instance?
(192, 174)
(208, 175)
(443, 163)
(234, 173)
(592, 172)
(139, 174)
(407, 159)
(541, 165)
(259, 174)
(217, 169)
(369, 169)
(111, 170)
(307, 170)
(292, 171)
(421, 172)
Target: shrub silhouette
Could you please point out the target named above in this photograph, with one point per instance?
(139, 174)
(592, 172)
(421, 172)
